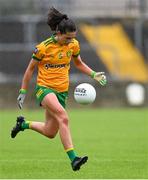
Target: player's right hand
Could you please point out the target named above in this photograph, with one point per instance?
(21, 98)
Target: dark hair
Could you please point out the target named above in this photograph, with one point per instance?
(60, 22)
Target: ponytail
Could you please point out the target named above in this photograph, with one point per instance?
(60, 22)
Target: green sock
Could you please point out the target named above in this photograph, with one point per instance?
(25, 125)
(71, 153)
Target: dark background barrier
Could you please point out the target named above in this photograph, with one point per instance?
(23, 26)
(113, 95)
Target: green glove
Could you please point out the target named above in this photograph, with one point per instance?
(100, 77)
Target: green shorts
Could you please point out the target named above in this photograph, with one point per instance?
(41, 92)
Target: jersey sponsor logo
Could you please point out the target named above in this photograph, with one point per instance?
(47, 66)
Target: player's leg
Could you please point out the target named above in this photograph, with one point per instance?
(51, 102)
(41, 127)
(60, 115)
(49, 128)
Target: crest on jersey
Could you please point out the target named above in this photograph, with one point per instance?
(36, 50)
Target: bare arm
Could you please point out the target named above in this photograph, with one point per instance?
(98, 76)
(28, 74)
(82, 66)
(25, 82)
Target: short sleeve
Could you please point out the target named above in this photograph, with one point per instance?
(76, 49)
(38, 53)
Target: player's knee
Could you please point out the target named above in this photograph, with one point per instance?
(63, 118)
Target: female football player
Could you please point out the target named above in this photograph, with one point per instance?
(52, 58)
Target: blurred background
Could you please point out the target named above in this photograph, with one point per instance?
(113, 35)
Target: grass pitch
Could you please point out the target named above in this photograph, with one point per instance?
(115, 141)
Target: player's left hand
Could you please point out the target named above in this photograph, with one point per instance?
(100, 77)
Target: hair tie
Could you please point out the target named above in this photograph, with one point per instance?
(65, 16)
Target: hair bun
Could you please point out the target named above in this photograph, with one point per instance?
(65, 16)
